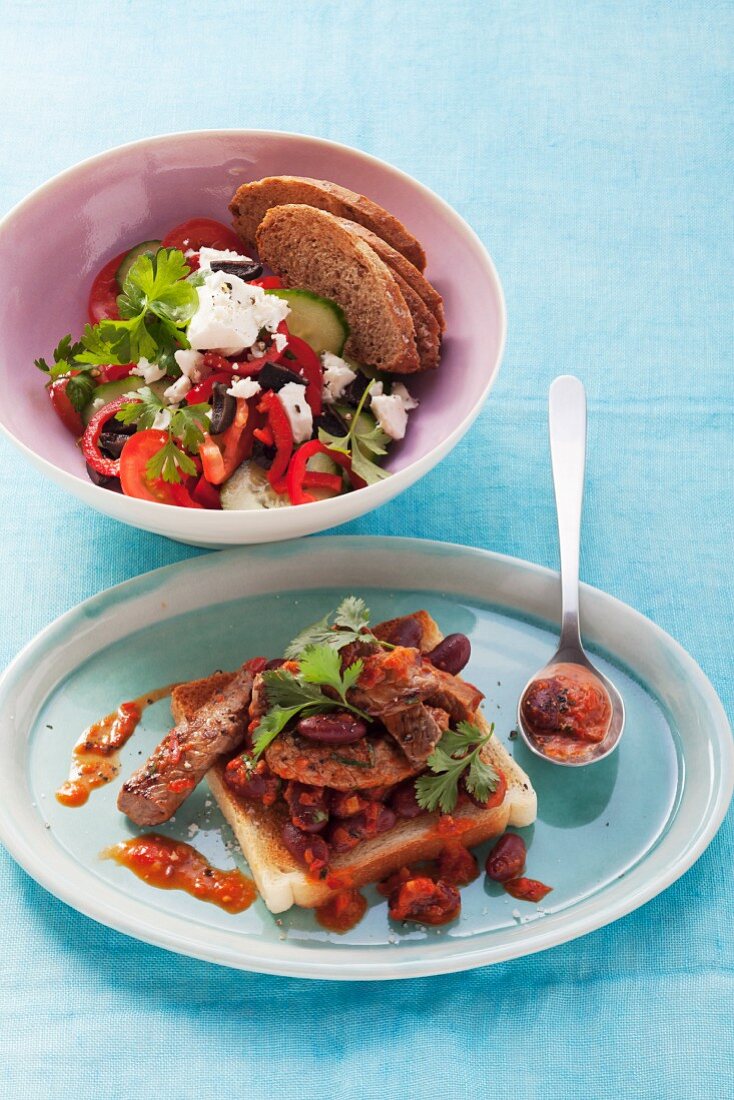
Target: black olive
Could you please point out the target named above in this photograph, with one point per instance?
(243, 269)
(103, 480)
(274, 377)
(262, 455)
(331, 422)
(112, 442)
(353, 393)
(224, 406)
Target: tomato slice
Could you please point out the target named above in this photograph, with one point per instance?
(135, 456)
(201, 233)
(103, 295)
(63, 407)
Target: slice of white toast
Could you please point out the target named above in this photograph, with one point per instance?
(283, 883)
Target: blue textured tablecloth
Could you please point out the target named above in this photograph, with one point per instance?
(588, 144)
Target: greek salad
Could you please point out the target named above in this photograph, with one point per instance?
(202, 382)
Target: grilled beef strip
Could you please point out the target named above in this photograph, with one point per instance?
(417, 729)
(154, 792)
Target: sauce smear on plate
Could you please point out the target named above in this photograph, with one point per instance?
(95, 757)
(173, 865)
(342, 912)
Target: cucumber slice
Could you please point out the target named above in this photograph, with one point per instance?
(109, 391)
(248, 488)
(131, 257)
(318, 321)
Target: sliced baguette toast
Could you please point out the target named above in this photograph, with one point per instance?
(283, 883)
(252, 201)
(311, 248)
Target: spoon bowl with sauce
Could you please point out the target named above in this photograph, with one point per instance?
(569, 712)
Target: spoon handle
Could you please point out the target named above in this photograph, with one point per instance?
(567, 425)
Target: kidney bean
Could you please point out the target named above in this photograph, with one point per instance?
(252, 781)
(452, 654)
(307, 806)
(347, 803)
(403, 800)
(423, 900)
(311, 851)
(277, 662)
(507, 859)
(339, 728)
(349, 831)
(406, 632)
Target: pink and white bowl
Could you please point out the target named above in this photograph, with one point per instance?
(53, 243)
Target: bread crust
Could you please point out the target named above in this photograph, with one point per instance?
(310, 248)
(252, 200)
(404, 268)
(282, 882)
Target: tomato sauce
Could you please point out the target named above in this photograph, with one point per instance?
(342, 912)
(567, 710)
(173, 865)
(95, 757)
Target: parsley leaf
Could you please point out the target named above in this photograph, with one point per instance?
(364, 440)
(457, 754)
(156, 305)
(79, 390)
(351, 618)
(188, 423)
(169, 463)
(143, 410)
(64, 357)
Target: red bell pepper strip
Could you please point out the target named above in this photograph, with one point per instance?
(296, 478)
(308, 364)
(206, 495)
(113, 372)
(222, 454)
(280, 426)
(268, 282)
(203, 391)
(315, 479)
(109, 467)
(272, 355)
(265, 435)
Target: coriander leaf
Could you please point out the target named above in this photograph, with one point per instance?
(352, 613)
(169, 463)
(273, 723)
(79, 390)
(457, 754)
(107, 342)
(189, 424)
(481, 779)
(320, 633)
(286, 690)
(157, 284)
(322, 665)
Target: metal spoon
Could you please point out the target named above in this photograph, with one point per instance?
(567, 424)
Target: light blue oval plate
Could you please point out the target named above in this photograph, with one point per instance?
(607, 838)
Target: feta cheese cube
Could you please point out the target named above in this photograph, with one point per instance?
(231, 313)
(391, 410)
(191, 363)
(243, 387)
(337, 376)
(177, 391)
(208, 255)
(298, 411)
(149, 372)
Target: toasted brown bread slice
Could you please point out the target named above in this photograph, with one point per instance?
(310, 248)
(425, 326)
(282, 882)
(251, 202)
(404, 268)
